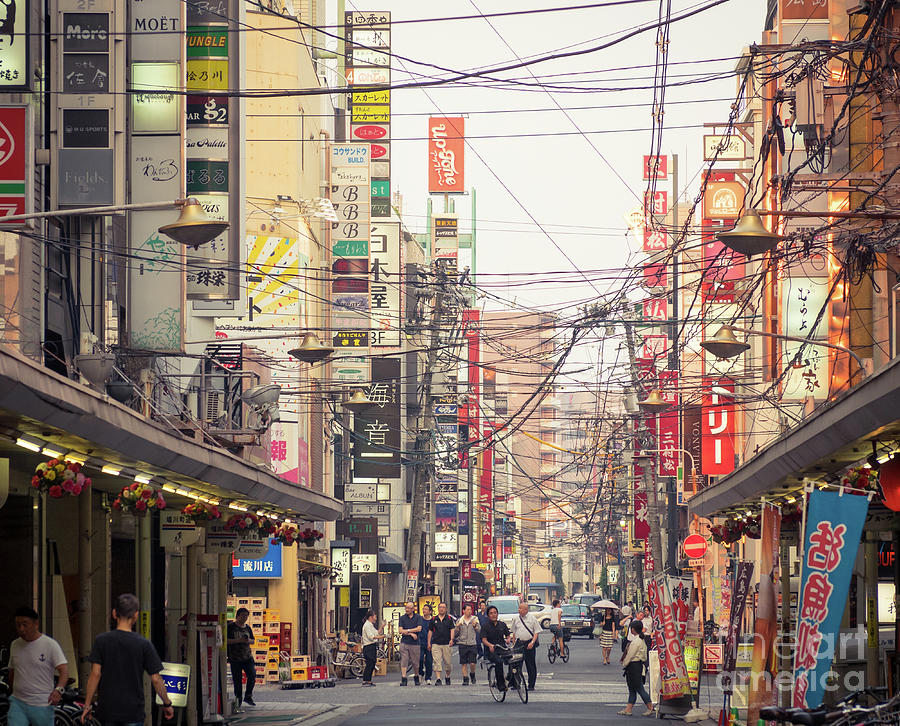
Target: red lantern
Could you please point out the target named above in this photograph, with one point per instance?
(889, 476)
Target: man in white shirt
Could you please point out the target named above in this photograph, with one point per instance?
(525, 630)
(370, 638)
(35, 660)
(556, 624)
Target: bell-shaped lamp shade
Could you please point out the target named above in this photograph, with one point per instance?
(889, 478)
(358, 402)
(193, 228)
(749, 236)
(654, 403)
(724, 345)
(311, 350)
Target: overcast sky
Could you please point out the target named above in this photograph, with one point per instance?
(562, 181)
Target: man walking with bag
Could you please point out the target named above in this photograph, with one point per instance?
(525, 630)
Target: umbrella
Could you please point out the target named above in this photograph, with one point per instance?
(605, 604)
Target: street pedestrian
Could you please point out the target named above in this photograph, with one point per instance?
(495, 632)
(608, 627)
(240, 657)
(634, 659)
(556, 624)
(119, 660)
(410, 626)
(467, 632)
(426, 659)
(34, 660)
(440, 641)
(370, 636)
(525, 630)
(625, 626)
(482, 620)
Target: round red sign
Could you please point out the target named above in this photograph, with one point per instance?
(370, 132)
(695, 546)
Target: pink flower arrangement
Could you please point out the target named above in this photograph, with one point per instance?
(243, 523)
(201, 512)
(139, 498)
(60, 479)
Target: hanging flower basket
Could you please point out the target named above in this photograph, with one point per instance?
(202, 513)
(309, 537)
(60, 479)
(791, 515)
(138, 499)
(286, 535)
(267, 527)
(862, 478)
(732, 530)
(243, 523)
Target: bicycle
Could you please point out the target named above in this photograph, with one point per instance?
(554, 651)
(847, 711)
(515, 659)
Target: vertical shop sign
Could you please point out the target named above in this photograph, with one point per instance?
(834, 522)
(486, 499)
(385, 284)
(378, 440)
(717, 430)
(445, 237)
(367, 43)
(446, 155)
(15, 19)
(669, 425)
(804, 298)
(14, 160)
(743, 574)
(655, 167)
(762, 664)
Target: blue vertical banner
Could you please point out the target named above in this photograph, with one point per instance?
(834, 523)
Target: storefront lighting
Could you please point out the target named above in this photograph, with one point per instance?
(287, 521)
(169, 488)
(192, 495)
(182, 492)
(623, 523)
(107, 469)
(791, 500)
(52, 453)
(885, 458)
(238, 507)
(142, 479)
(260, 513)
(214, 502)
(28, 443)
(75, 458)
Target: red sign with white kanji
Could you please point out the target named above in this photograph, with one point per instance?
(13, 161)
(717, 429)
(656, 167)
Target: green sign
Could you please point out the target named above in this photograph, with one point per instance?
(350, 248)
(207, 43)
(206, 176)
(381, 187)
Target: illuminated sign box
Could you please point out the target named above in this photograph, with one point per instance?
(153, 111)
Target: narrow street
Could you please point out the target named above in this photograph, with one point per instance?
(578, 692)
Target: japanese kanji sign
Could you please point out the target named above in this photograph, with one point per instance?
(834, 522)
(377, 440)
(672, 672)
(743, 574)
(717, 430)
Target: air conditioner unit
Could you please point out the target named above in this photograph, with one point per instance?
(213, 406)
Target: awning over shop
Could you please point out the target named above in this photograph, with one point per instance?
(37, 401)
(838, 434)
(390, 563)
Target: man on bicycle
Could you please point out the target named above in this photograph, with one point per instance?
(495, 632)
(556, 625)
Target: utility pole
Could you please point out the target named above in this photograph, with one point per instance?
(424, 449)
(649, 478)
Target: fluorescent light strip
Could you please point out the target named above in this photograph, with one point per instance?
(76, 458)
(238, 507)
(52, 453)
(169, 488)
(28, 444)
(142, 478)
(182, 492)
(107, 469)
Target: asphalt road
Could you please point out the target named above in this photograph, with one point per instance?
(581, 691)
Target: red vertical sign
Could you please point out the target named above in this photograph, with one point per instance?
(717, 429)
(485, 500)
(669, 425)
(13, 159)
(446, 155)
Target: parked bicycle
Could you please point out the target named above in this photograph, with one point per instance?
(514, 658)
(554, 651)
(845, 712)
(347, 660)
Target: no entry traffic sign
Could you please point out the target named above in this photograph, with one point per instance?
(695, 546)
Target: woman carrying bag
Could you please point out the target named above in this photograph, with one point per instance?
(634, 660)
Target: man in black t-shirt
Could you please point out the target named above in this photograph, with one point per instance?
(119, 660)
(240, 636)
(495, 632)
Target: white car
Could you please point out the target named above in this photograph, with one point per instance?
(541, 612)
(507, 607)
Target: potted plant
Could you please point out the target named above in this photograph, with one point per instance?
(243, 523)
(60, 479)
(285, 534)
(202, 513)
(138, 499)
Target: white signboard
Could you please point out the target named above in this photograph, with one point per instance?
(340, 566)
(252, 548)
(14, 40)
(177, 678)
(734, 149)
(384, 284)
(177, 530)
(357, 492)
(364, 564)
(221, 540)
